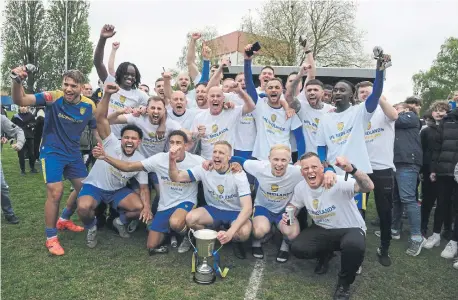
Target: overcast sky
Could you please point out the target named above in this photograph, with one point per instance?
(153, 32)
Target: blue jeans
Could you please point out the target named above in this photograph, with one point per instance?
(406, 181)
(6, 202)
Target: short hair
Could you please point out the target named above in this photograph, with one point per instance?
(76, 75)
(159, 79)
(201, 83)
(413, 100)
(403, 104)
(308, 155)
(428, 115)
(293, 73)
(363, 84)
(122, 70)
(180, 133)
(315, 82)
(349, 84)
(155, 99)
(225, 143)
(133, 128)
(279, 147)
(145, 85)
(276, 79)
(439, 105)
(240, 73)
(328, 87)
(226, 79)
(268, 67)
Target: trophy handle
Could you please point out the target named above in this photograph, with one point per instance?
(189, 237)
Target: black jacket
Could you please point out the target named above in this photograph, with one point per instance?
(429, 139)
(26, 122)
(445, 156)
(407, 145)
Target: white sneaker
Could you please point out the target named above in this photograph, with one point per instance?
(450, 250)
(360, 270)
(91, 237)
(455, 264)
(184, 246)
(121, 228)
(433, 241)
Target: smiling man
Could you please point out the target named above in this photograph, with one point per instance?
(127, 77)
(67, 114)
(108, 184)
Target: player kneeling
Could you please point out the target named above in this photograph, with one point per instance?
(176, 198)
(227, 194)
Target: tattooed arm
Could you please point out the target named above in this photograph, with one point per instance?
(363, 183)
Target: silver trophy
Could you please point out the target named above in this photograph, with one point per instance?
(204, 248)
(29, 68)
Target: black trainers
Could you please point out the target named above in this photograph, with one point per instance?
(282, 256)
(159, 250)
(34, 171)
(12, 219)
(322, 265)
(257, 252)
(342, 292)
(383, 257)
(22, 173)
(239, 251)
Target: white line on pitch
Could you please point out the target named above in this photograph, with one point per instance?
(255, 280)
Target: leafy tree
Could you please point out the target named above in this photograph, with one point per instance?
(442, 78)
(24, 40)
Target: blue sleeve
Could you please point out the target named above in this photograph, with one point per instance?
(250, 88)
(452, 104)
(238, 159)
(191, 176)
(40, 99)
(374, 97)
(205, 72)
(322, 153)
(300, 141)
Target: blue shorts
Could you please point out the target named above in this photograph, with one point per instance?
(55, 166)
(272, 217)
(161, 219)
(361, 199)
(106, 196)
(222, 217)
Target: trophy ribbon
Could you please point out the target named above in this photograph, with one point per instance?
(216, 263)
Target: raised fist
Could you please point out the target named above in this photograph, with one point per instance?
(248, 48)
(344, 164)
(167, 75)
(206, 52)
(111, 88)
(304, 69)
(195, 36)
(107, 31)
(115, 45)
(20, 72)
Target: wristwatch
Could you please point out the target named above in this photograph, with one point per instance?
(352, 172)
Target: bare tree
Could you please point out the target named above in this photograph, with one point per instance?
(328, 26)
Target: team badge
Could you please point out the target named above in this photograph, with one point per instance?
(122, 99)
(274, 188)
(369, 125)
(82, 110)
(214, 128)
(340, 126)
(315, 203)
(273, 117)
(220, 189)
(152, 134)
(317, 121)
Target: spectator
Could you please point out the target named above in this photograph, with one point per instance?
(26, 121)
(408, 158)
(38, 132)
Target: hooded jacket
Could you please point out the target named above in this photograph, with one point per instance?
(445, 155)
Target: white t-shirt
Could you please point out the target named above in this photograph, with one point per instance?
(332, 208)
(274, 193)
(222, 191)
(272, 128)
(246, 129)
(343, 134)
(108, 178)
(191, 95)
(131, 98)
(219, 127)
(186, 119)
(310, 118)
(173, 193)
(150, 144)
(380, 141)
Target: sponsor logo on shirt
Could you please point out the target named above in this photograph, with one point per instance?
(272, 127)
(82, 110)
(62, 116)
(317, 121)
(372, 133)
(340, 126)
(274, 188)
(322, 216)
(220, 188)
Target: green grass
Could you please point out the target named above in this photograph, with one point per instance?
(121, 269)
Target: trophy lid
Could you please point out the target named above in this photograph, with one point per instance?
(205, 234)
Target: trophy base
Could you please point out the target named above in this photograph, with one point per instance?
(204, 278)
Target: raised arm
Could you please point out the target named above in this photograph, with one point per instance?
(111, 59)
(249, 83)
(193, 71)
(363, 183)
(216, 77)
(248, 103)
(17, 91)
(103, 125)
(300, 140)
(389, 111)
(311, 74)
(107, 32)
(175, 174)
(290, 94)
(373, 99)
(167, 87)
